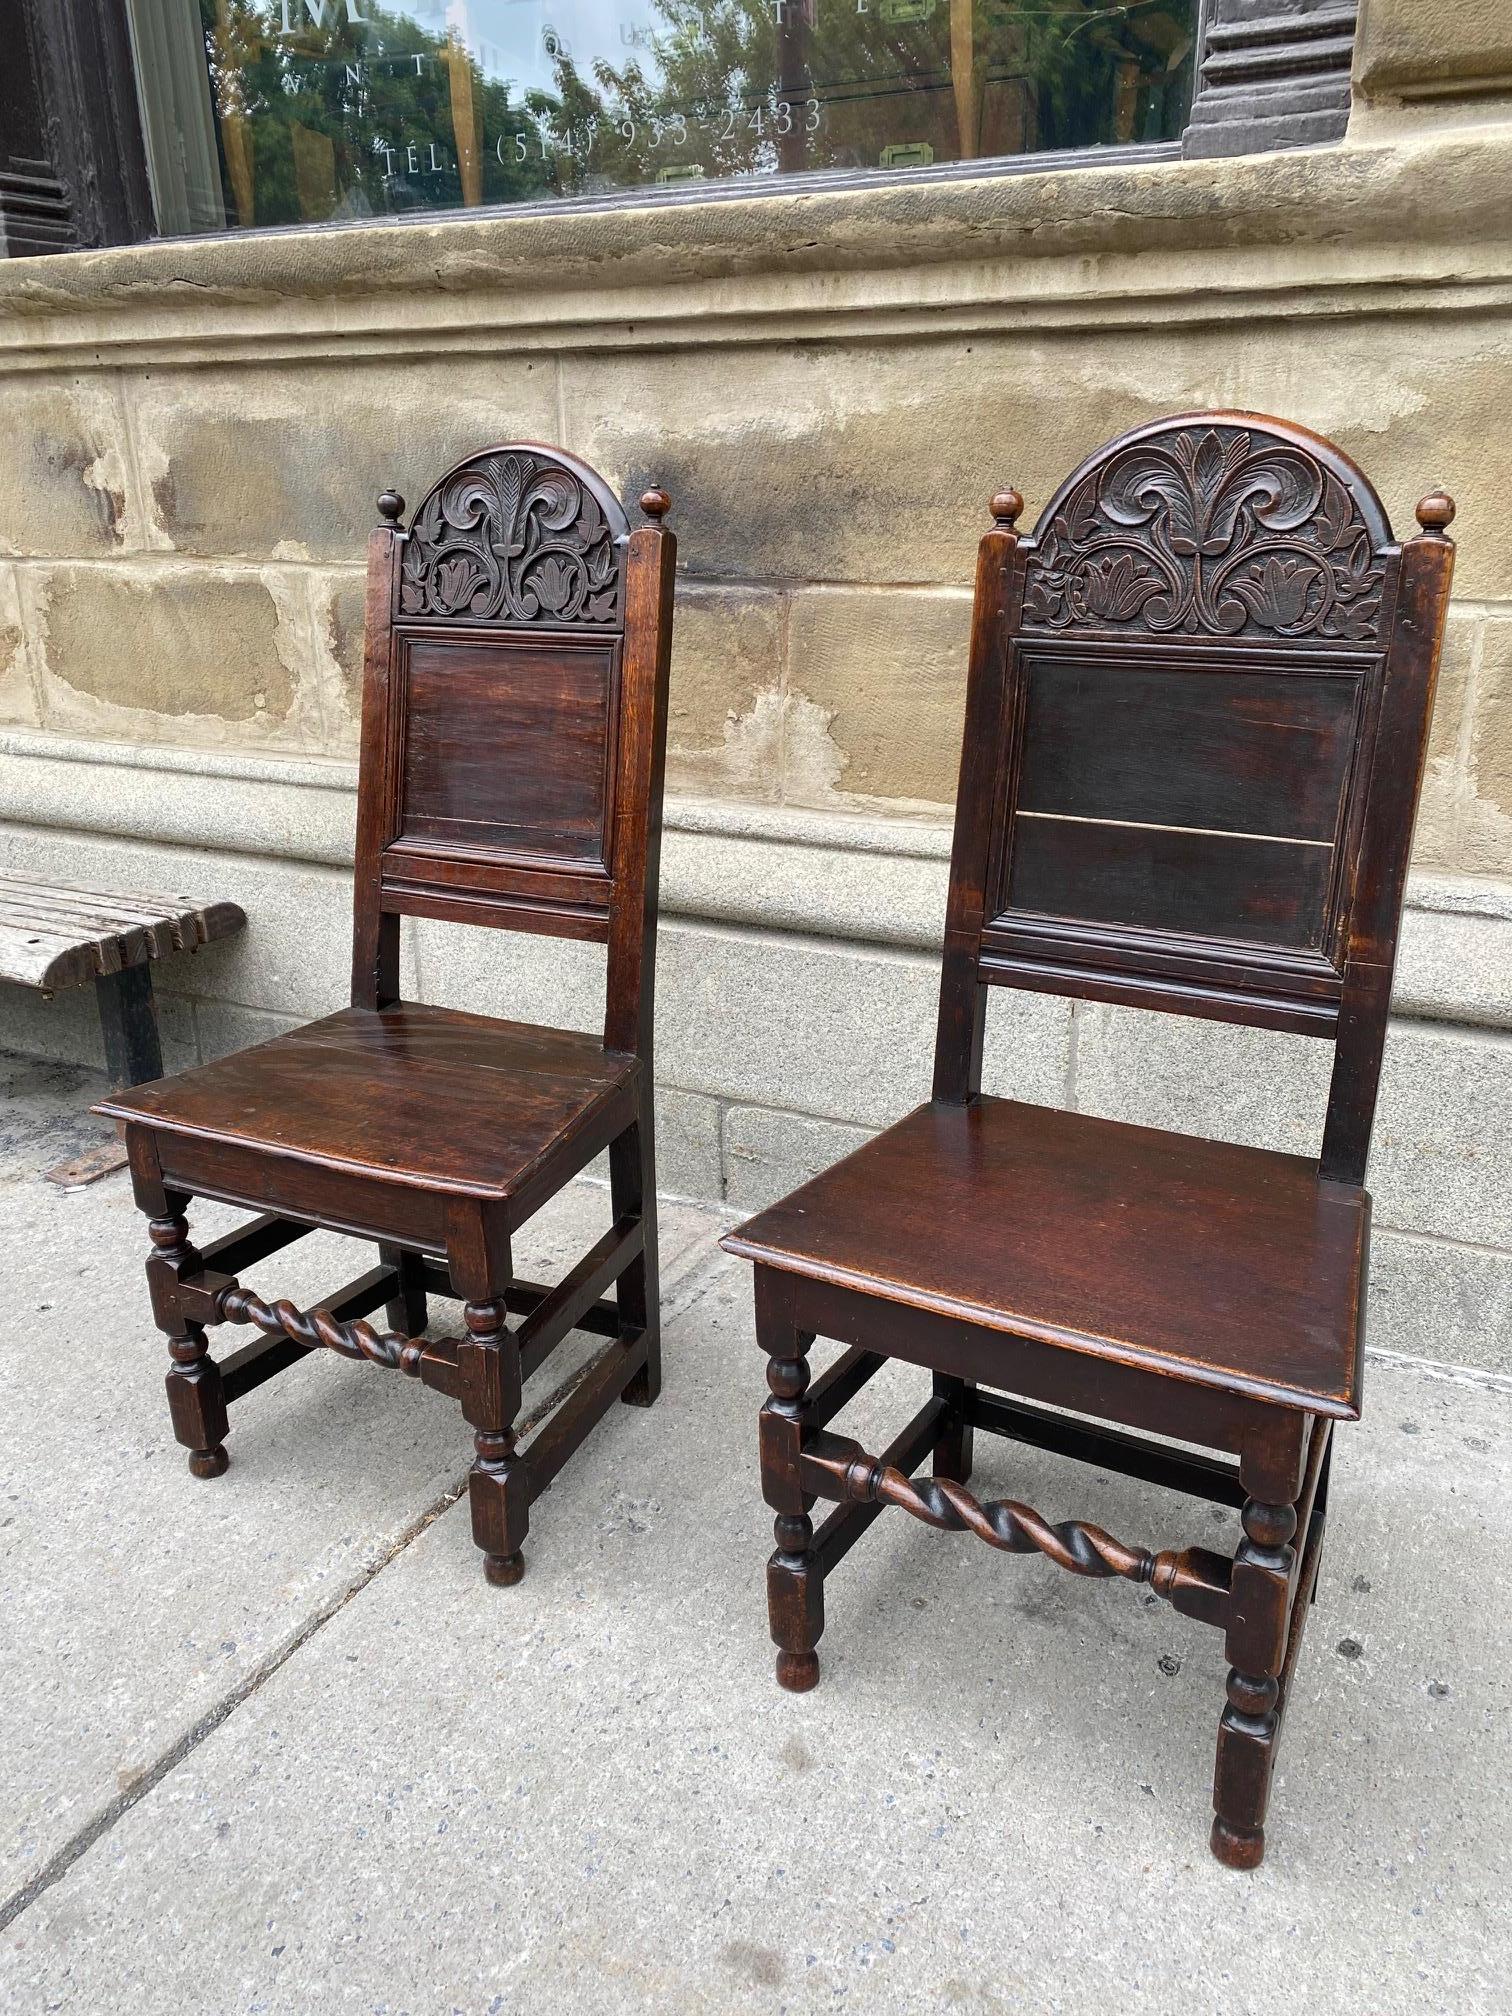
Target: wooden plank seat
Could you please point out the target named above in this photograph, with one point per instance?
(517, 648)
(410, 1096)
(1197, 709)
(1225, 1266)
(54, 935)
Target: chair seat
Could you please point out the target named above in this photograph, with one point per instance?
(1223, 1265)
(431, 1097)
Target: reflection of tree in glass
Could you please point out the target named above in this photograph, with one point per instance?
(342, 118)
(741, 87)
(1121, 73)
(339, 120)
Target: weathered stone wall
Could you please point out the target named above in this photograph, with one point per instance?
(1426, 51)
(831, 386)
(195, 434)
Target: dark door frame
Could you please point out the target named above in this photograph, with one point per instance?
(73, 168)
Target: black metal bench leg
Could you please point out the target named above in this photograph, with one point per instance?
(128, 1021)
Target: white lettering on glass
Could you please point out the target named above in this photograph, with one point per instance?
(319, 14)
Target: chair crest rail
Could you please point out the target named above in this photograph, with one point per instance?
(1191, 1579)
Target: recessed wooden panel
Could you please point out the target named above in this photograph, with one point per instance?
(1171, 745)
(1162, 878)
(507, 745)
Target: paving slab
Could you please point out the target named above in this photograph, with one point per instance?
(135, 1602)
(586, 1794)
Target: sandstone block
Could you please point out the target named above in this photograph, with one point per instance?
(176, 654)
(286, 461)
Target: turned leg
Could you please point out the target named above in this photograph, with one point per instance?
(953, 1451)
(498, 1485)
(1259, 1619)
(632, 1186)
(407, 1312)
(795, 1587)
(196, 1403)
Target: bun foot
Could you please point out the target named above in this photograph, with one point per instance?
(209, 1462)
(504, 1570)
(1238, 1847)
(797, 1671)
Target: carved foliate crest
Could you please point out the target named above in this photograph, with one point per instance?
(512, 538)
(1212, 530)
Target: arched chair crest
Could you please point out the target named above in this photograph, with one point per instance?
(1221, 525)
(517, 535)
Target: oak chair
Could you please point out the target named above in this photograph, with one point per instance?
(1197, 708)
(513, 727)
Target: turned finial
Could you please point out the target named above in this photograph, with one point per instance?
(1436, 512)
(1006, 506)
(391, 507)
(656, 504)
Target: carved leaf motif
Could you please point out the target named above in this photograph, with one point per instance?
(1333, 513)
(1276, 591)
(508, 482)
(1208, 502)
(1209, 529)
(552, 582)
(1116, 586)
(427, 526)
(590, 521)
(453, 582)
(512, 539)
(1081, 509)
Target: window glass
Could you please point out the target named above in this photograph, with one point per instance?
(327, 109)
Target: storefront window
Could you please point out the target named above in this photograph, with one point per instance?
(301, 111)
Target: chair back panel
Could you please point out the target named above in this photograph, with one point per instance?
(508, 746)
(1178, 690)
(1170, 792)
(514, 708)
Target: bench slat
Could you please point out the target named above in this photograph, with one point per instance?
(74, 922)
(56, 935)
(164, 935)
(67, 916)
(87, 903)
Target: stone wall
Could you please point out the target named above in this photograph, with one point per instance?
(831, 386)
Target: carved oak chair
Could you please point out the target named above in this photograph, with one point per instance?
(1197, 708)
(513, 728)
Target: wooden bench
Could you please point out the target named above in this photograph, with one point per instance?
(54, 936)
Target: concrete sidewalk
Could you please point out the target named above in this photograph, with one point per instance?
(271, 1744)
